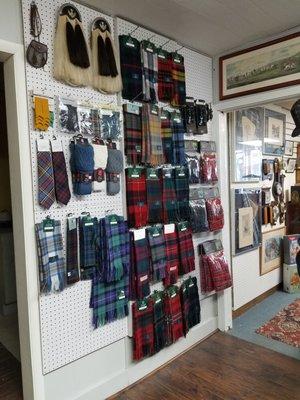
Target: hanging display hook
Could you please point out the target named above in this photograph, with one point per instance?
(181, 47)
(135, 29)
(151, 37)
(168, 41)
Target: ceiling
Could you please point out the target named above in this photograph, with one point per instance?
(210, 26)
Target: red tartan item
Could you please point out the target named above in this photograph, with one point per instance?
(143, 330)
(208, 165)
(206, 279)
(172, 264)
(214, 272)
(186, 251)
(137, 210)
(215, 214)
(172, 306)
(170, 206)
(165, 80)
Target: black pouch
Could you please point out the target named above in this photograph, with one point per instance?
(37, 54)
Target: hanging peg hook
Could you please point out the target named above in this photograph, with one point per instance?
(135, 29)
(151, 37)
(168, 41)
(181, 47)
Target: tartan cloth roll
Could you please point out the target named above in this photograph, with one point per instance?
(167, 138)
(170, 207)
(50, 258)
(72, 251)
(88, 234)
(186, 250)
(159, 322)
(143, 330)
(109, 301)
(182, 192)
(206, 278)
(165, 79)
(152, 150)
(198, 216)
(137, 210)
(215, 214)
(178, 142)
(172, 258)
(140, 268)
(133, 137)
(172, 307)
(208, 163)
(215, 273)
(149, 69)
(178, 75)
(154, 197)
(157, 246)
(131, 68)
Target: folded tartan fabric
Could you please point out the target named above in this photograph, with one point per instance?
(186, 249)
(182, 191)
(149, 69)
(178, 141)
(178, 75)
(172, 258)
(165, 80)
(198, 216)
(133, 137)
(82, 167)
(170, 206)
(152, 150)
(140, 268)
(208, 162)
(166, 136)
(88, 236)
(72, 251)
(137, 210)
(154, 196)
(50, 257)
(157, 246)
(143, 329)
(131, 68)
(159, 321)
(172, 307)
(215, 273)
(215, 214)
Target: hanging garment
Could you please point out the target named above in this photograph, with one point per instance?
(100, 161)
(137, 210)
(159, 321)
(190, 304)
(114, 166)
(154, 196)
(61, 181)
(170, 206)
(143, 329)
(166, 136)
(82, 167)
(71, 54)
(182, 192)
(72, 251)
(215, 214)
(41, 113)
(149, 69)
(133, 135)
(172, 256)
(46, 192)
(88, 235)
(106, 74)
(165, 79)
(178, 75)
(172, 307)
(157, 246)
(140, 267)
(178, 140)
(131, 68)
(186, 248)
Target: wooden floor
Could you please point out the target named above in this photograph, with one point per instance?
(10, 376)
(222, 367)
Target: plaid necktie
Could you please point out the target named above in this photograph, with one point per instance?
(46, 194)
(62, 190)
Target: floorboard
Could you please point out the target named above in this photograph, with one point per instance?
(10, 376)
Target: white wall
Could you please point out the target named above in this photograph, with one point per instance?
(11, 21)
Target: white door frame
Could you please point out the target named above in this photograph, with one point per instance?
(12, 55)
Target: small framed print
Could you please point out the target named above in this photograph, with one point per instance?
(273, 143)
(271, 250)
(289, 148)
(291, 165)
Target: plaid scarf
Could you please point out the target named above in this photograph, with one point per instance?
(133, 137)
(185, 306)
(131, 68)
(88, 234)
(206, 278)
(140, 271)
(165, 80)
(72, 251)
(215, 214)
(50, 258)
(114, 248)
(159, 321)
(178, 75)
(208, 163)
(157, 248)
(182, 191)
(172, 258)
(152, 151)
(178, 142)
(170, 208)
(109, 301)
(166, 136)
(173, 313)
(143, 332)
(137, 210)
(154, 198)
(198, 216)
(186, 250)
(149, 68)
(190, 304)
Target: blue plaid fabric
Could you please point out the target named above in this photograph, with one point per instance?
(178, 143)
(88, 235)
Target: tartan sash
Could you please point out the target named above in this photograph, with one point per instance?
(215, 272)
(156, 241)
(143, 332)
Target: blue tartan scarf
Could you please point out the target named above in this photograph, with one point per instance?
(88, 234)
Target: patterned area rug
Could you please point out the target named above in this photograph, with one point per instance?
(285, 326)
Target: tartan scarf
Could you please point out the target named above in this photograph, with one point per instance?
(154, 198)
(198, 216)
(131, 68)
(172, 307)
(109, 301)
(50, 258)
(88, 235)
(72, 251)
(140, 268)
(157, 248)
(133, 137)
(219, 271)
(167, 140)
(185, 305)
(186, 250)
(143, 332)
(172, 258)
(178, 75)
(137, 210)
(149, 69)
(208, 163)
(170, 208)
(215, 214)
(190, 304)
(114, 248)
(159, 322)
(206, 278)
(178, 142)
(152, 151)
(165, 80)
(182, 191)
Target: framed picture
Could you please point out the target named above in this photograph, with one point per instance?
(247, 130)
(270, 65)
(274, 133)
(271, 250)
(289, 148)
(291, 165)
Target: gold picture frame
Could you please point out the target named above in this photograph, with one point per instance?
(271, 250)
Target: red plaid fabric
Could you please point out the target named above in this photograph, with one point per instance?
(133, 137)
(165, 80)
(215, 214)
(208, 165)
(178, 75)
(143, 330)
(206, 279)
(61, 181)
(172, 264)
(137, 210)
(186, 251)
(140, 268)
(170, 206)
(215, 272)
(173, 313)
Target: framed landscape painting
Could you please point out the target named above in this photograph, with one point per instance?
(264, 67)
(271, 250)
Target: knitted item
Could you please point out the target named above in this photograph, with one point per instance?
(149, 69)
(143, 332)
(82, 167)
(100, 161)
(157, 246)
(165, 80)
(137, 211)
(114, 167)
(170, 207)
(133, 137)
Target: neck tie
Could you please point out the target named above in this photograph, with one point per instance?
(62, 190)
(45, 179)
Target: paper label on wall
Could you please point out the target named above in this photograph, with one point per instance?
(56, 145)
(245, 227)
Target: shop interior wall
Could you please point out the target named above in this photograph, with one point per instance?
(11, 21)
